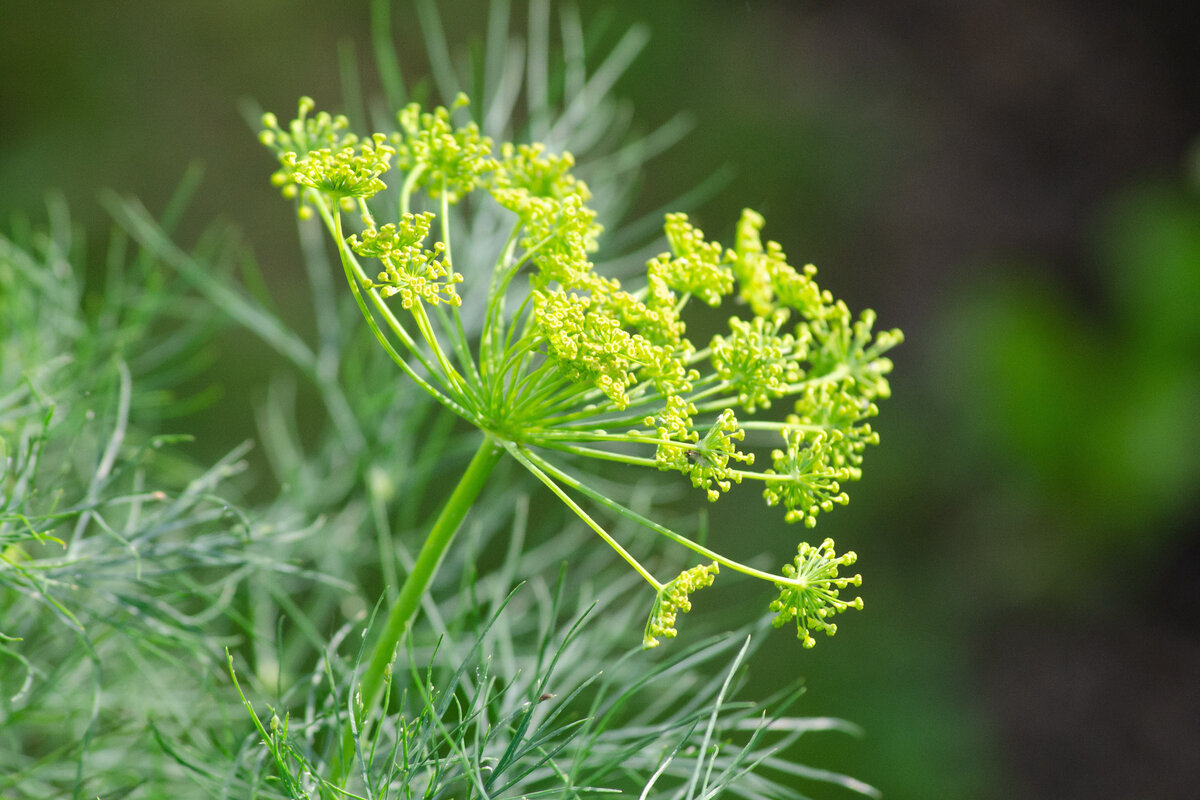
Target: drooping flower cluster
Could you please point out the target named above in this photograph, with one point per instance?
(672, 599)
(583, 367)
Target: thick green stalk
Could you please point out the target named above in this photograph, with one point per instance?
(402, 612)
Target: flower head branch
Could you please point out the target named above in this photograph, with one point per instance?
(672, 599)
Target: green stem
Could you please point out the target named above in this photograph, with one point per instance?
(354, 275)
(526, 458)
(581, 487)
(402, 612)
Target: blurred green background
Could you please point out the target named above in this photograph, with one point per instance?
(1015, 184)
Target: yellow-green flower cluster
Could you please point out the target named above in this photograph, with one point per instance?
(343, 174)
(584, 367)
(810, 596)
(697, 267)
(528, 170)
(765, 280)
(708, 460)
(757, 361)
(674, 433)
(302, 136)
(588, 344)
(443, 158)
(559, 230)
(808, 474)
(672, 599)
(410, 270)
(851, 347)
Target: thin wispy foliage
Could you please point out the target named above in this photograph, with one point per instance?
(177, 629)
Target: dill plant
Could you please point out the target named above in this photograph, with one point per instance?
(503, 691)
(570, 365)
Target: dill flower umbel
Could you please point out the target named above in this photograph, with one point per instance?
(571, 365)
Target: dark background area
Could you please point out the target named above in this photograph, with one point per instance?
(1012, 183)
